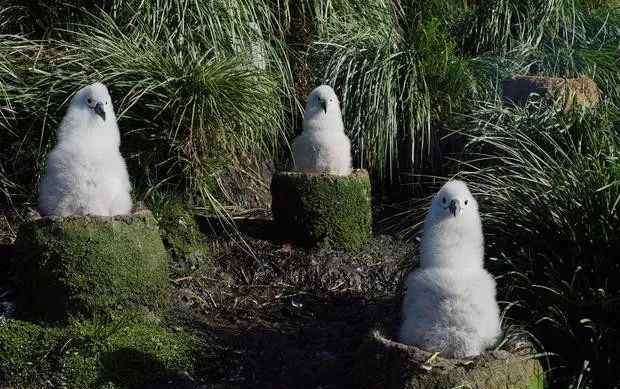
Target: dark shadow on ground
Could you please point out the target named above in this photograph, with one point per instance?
(288, 317)
(259, 226)
(180, 380)
(126, 367)
(7, 290)
(306, 342)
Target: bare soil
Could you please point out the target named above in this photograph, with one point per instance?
(286, 317)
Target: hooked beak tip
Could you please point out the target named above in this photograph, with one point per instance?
(100, 111)
(454, 207)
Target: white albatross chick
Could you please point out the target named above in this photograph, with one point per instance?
(450, 304)
(323, 147)
(86, 173)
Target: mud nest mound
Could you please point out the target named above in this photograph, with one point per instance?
(581, 91)
(90, 265)
(313, 208)
(387, 364)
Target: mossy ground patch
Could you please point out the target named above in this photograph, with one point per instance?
(84, 355)
(187, 246)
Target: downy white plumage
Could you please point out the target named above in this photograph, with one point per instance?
(450, 304)
(86, 173)
(323, 147)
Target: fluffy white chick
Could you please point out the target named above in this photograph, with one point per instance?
(86, 173)
(450, 304)
(323, 147)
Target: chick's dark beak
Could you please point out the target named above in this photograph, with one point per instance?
(99, 110)
(324, 105)
(454, 207)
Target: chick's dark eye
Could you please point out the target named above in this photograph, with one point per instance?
(90, 101)
(466, 201)
(443, 200)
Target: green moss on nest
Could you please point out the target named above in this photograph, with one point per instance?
(311, 208)
(91, 265)
(91, 355)
(23, 347)
(182, 237)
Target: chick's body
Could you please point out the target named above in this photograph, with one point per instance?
(86, 173)
(323, 146)
(450, 304)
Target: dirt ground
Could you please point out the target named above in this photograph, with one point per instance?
(271, 315)
(286, 317)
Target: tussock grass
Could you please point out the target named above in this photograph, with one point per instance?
(202, 105)
(404, 73)
(209, 92)
(394, 80)
(41, 19)
(550, 192)
(22, 146)
(197, 88)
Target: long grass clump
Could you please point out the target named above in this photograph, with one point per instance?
(550, 192)
(22, 144)
(397, 79)
(406, 72)
(199, 87)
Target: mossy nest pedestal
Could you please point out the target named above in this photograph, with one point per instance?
(91, 265)
(581, 91)
(386, 364)
(312, 208)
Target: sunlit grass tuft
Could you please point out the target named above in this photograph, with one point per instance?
(549, 189)
(396, 84)
(195, 85)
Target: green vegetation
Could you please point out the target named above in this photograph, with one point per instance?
(312, 208)
(405, 72)
(209, 93)
(399, 73)
(91, 266)
(551, 192)
(197, 85)
(120, 354)
(187, 246)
